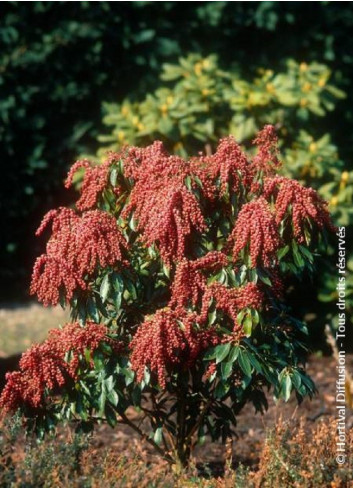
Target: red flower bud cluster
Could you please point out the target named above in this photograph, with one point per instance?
(304, 204)
(228, 164)
(94, 182)
(256, 229)
(231, 300)
(50, 276)
(190, 283)
(266, 158)
(158, 343)
(211, 369)
(165, 210)
(165, 340)
(78, 245)
(44, 367)
(250, 295)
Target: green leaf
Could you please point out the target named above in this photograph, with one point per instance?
(286, 387)
(210, 354)
(110, 416)
(104, 288)
(98, 360)
(118, 282)
(222, 351)
(234, 352)
(212, 317)
(282, 252)
(113, 176)
(247, 325)
(132, 224)
(113, 397)
(129, 375)
(298, 259)
(92, 310)
(117, 298)
(240, 315)
(221, 390)
(264, 278)
(296, 379)
(304, 251)
(101, 402)
(158, 436)
(226, 369)
(109, 383)
(244, 363)
(255, 363)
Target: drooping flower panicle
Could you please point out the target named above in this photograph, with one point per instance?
(45, 367)
(167, 339)
(228, 165)
(190, 283)
(78, 245)
(166, 211)
(267, 157)
(302, 204)
(95, 180)
(257, 230)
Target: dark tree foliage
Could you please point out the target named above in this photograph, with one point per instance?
(60, 60)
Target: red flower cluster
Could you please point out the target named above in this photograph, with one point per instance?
(256, 229)
(190, 283)
(165, 210)
(50, 276)
(78, 245)
(303, 203)
(44, 366)
(158, 344)
(166, 339)
(190, 288)
(228, 164)
(94, 181)
(250, 295)
(231, 300)
(267, 154)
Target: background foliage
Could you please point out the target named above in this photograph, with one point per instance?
(60, 61)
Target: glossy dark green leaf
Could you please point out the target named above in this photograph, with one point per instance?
(221, 351)
(244, 362)
(105, 288)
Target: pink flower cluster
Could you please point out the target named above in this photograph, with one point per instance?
(165, 210)
(94, 182)
(229, 165)
(167, 339)
(266, 158)
(44, 367)
(256, 230)
(231, 300)
(190, 282)
(78, 245)
(302, 204)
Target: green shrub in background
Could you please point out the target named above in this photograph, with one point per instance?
(198, 102)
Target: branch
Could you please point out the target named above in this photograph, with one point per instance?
(199, 420)
(126, 420)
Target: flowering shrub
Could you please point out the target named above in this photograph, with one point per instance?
(197, 102)
(174, 272)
